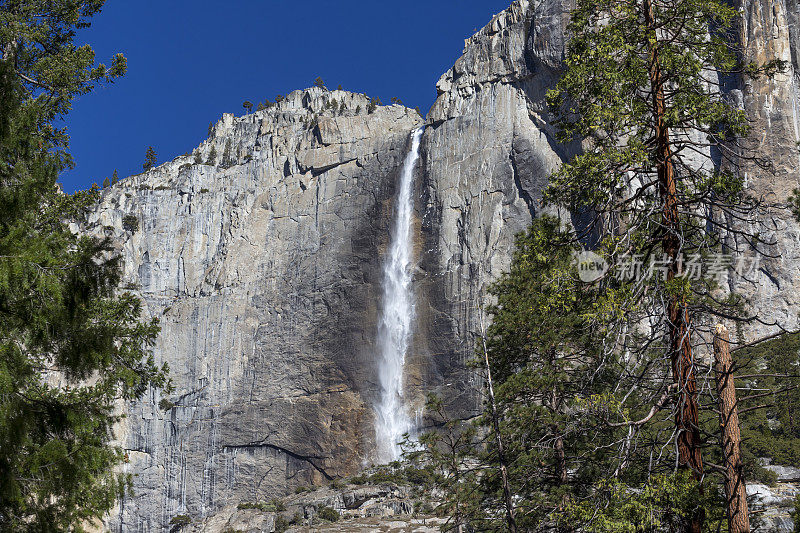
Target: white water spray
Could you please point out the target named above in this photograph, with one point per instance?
(397, 314)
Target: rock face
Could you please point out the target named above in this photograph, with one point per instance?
(265, 266)
(266, 278)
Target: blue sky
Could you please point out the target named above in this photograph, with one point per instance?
(191, 61)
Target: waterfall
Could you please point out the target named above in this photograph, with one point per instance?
(392, 419)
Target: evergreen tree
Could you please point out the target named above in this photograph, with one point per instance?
(543, 442)
(247, 105)
(212, 156)
(210, 128)
(319, 83)
(150, 158)
(114, 177)
(71, 343)
(227, 160)
(198, 159)
(661, 143)
(106, 183)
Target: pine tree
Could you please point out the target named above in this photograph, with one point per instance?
(247, 105)
(61, 313)
(210, 128)
(226, 155)
(212, 156)
(660, 145)
(319, 83)
(106, 183)
(114, 177)
(150, 158)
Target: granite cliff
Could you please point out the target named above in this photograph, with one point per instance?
(265, 270)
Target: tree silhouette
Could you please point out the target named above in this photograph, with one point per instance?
(149, 158)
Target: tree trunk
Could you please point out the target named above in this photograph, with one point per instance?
(680, 348)
(501, 455)
(735, 490)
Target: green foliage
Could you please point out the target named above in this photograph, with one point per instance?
(319, 83)
(282, 524)
(61, 312)
(773, 431)
(150, 158)
(198, 159)
(247, 105)
(662, 503)
(165, 404)
(227, 159)
(796, 514)
(130, 223)
(372, 106)
(114, 177)
(549, 381)
(210, 128)
(180, 521)
(328, 513)
(106, 183)
(394, 474)
(212, 156)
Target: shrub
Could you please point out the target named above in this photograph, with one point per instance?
(180, 520)
(282, 524)
(165, 405)
(328, 513)
(130, 223)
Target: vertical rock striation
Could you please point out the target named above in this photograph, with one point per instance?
(266, 277)
(266, 271)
